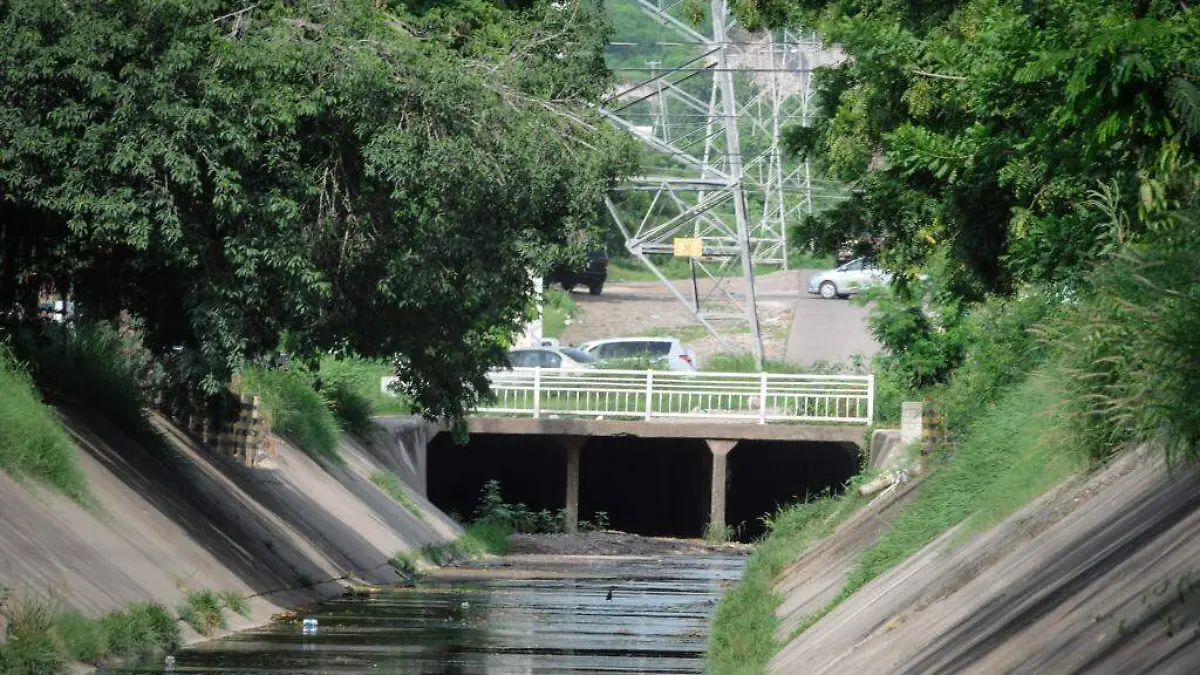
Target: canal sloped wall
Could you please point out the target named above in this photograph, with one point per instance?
(169, 520)
(1097, 576)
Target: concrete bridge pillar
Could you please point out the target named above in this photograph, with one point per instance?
(573, 445)
(720, 478)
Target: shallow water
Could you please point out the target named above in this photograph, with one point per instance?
(527, 614)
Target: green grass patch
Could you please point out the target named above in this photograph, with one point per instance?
(481, 538)
(202, 610)
(390, 485)
(743, 633)
(32, 442)
(236, 603)
(97, 369)
(293, 409)
(350, 387)
(556, 309)
(408, 562)
(43, 640)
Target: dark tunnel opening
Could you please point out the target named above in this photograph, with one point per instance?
(658, 487)
(765, 475)
(531, 470)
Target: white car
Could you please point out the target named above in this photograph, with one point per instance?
(847, 279)
(550, 357)
(666, 350)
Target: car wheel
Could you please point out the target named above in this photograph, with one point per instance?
(828, 290)
(595, 289)
(568, 287)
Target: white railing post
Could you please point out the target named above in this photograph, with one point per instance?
(537, 393)
(762, 400)
(871, 398)
(649, 393)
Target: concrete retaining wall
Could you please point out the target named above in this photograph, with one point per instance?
(287, 534)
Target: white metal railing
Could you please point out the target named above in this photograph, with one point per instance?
(655, 394)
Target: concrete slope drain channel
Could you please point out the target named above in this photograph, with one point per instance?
(546, 614)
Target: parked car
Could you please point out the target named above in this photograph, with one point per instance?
(550, 357)
(847, 279)
(664, 350)
(593, 275)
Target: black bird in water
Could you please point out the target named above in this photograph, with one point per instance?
(609, 596)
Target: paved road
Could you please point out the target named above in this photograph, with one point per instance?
(827, 330)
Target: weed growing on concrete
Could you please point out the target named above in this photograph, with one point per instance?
(202, 611)
(31, 647)
(390, 484)
(293, 409)
(717, 534)
(32, 443)
(42, 639)
(743, 633)
(235, 602)
(407, 562)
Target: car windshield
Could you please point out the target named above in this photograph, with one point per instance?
(578, 354)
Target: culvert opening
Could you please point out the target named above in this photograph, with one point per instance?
(531, 469)
(656, 487)
(765, 475)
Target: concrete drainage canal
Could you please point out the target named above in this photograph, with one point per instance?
(519, 614)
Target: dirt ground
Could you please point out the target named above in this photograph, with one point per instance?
(616, 543)
(647, 308)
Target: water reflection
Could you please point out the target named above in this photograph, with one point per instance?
(531, 614)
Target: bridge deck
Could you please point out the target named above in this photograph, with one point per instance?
(700, 429)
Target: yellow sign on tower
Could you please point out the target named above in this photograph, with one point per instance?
(686, 247)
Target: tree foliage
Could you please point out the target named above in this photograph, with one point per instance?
(979, 127)
(363, 177)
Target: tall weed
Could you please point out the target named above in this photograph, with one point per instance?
(293, 409)
(1133, 349)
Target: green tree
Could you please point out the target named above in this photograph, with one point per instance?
(374, 179)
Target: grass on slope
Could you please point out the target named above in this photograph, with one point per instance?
(1013, 453)
(743, 632)
(32, 443)
(391, 486)
(294, 410)
(350, 387)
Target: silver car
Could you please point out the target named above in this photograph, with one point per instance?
(550, 357)
(667, 351)
(847, 279)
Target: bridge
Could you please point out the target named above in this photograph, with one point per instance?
(722, 409)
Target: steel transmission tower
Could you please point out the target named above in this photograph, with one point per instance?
(710, 119)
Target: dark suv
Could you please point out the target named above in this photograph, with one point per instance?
(593, 275)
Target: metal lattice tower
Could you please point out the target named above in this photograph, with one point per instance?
(711, 124)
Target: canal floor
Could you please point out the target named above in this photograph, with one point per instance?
(522, 614)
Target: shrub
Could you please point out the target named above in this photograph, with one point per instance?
(483, 538)
(294, 410)
(1131, 349)
(32, 442)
